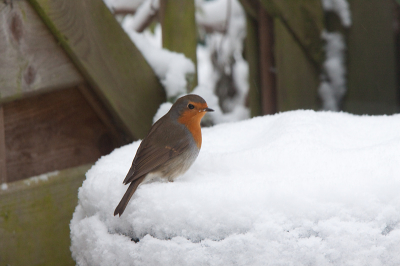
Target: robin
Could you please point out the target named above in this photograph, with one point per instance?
(170, 148)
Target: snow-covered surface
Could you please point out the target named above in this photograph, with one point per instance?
(296, 188)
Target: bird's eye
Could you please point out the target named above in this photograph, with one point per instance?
(191, 106)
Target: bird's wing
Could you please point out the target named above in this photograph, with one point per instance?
(155, 150)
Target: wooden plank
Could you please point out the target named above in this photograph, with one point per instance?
(31, 61)
(53, 131)
(304, 19)
(3, 165)
(35, 216)
(372, 87)
(252, 57)
(267, 64)
(107, 58)
(92, 99)
(251, 7)
(179, 31)
(297, 79)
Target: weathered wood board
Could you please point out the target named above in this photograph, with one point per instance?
(179, 31)
(53, 131)
(252, 57)
(31, 61)
(304, 19)
(267, 62)
(34, 218)
(297, 78)
(3, 167)
(372, 87)
(107, 58)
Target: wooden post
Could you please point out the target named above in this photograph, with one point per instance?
(266, 39)
(179, 32)
(252, 57)
(3, 164)
(371, 59)
(297, 78)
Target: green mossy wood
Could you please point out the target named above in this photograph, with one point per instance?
(34, 218)
(179, 31)
(371, 75)
(297, 79)
(252, 57)
(108, 60)
(304, 19)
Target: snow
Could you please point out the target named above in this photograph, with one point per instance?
(39, 178)
(333, 84)
(341, 8)
(295, 188)
(170, 67)
(146, 10)
(333, 87)
(4, 186)
(127, 4)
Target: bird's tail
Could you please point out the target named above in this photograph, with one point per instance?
(128, 195)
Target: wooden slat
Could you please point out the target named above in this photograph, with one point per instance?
(92, 99)
(53, 131)
(371, 85)
(31, 61)
(252, 56)
(297, 79)
(35, 216)
(304, 19)
(251, 7)
(267, 64)
(179, 32)
(3, 165)
(107, 58)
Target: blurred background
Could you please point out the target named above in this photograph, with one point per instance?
(81, 78)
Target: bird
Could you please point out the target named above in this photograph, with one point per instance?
(170, 148)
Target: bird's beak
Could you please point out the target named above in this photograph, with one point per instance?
(208, 110)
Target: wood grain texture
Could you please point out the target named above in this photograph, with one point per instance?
(31, 61)
(371, 85)
(52, 131)
(253, 59)
(107, 58)
(267, 64)
(34, 218)
(3, 165)
(179, 31)
(297, 79)
(304, 19)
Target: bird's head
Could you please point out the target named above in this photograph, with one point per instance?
(189, 110)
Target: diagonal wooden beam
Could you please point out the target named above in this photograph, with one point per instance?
(304, 19)
(107, 58)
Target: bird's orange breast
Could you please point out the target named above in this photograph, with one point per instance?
(191, 119)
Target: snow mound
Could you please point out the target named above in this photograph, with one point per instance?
(296, 188)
